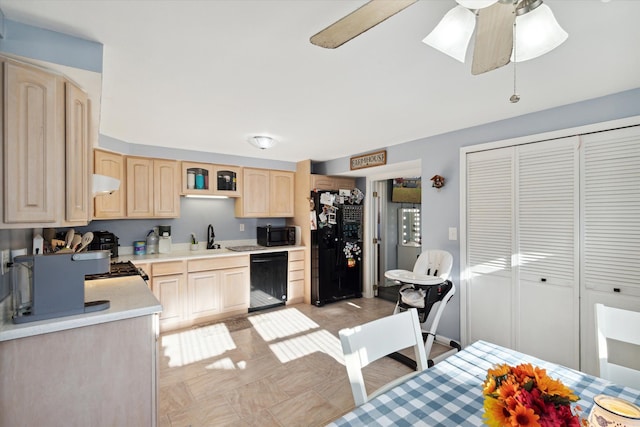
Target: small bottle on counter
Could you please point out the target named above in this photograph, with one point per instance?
(152, 243)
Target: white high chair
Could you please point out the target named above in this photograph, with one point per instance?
(428, 289)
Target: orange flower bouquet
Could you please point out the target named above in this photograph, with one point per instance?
(525, 396)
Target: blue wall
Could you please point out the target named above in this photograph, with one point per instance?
(195, 216)
(440, 155)
(44, 45)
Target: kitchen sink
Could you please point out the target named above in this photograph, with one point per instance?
(246, 248)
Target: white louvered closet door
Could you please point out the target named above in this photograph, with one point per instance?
(546, 256)
(489, 237)
(610, 202)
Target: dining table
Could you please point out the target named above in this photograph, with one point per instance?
(450, 392)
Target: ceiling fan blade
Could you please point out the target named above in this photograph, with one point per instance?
(494, 37)
(358, 21)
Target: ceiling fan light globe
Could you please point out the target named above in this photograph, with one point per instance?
(537, 33)
(476, 4)
(452, 34)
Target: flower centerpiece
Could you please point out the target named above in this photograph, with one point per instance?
(525, 396)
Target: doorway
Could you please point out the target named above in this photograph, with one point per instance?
(381, 234)
(399, 231)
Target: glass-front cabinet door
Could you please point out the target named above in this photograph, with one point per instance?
(208, 179)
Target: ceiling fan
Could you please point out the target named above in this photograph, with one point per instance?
(493, 20)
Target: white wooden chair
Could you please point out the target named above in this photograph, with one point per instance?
(371, 341)
(620, 325)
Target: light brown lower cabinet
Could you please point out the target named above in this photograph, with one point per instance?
(218, 286)
(295, 288)
(200, 290)
(168, 284)
(98, 375)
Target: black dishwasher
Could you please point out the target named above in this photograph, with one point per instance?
(268, 280)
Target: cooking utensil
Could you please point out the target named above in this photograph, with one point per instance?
(67, 242)
(55, 243)
(86, 239)
(69, 238)
(77, 239)
(49, 234)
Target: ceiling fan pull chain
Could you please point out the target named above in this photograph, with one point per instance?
(515, 97)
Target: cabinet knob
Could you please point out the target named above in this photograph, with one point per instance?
(616, 290)
(543, 279)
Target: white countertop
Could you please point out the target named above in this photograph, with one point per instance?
(128, 296)
(184, 254)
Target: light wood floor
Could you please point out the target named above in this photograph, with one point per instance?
(279, 367)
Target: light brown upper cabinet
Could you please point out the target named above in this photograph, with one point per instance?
(324, 182)
(110, 206)
(31, 147)
(266, 193)
(153, 188)
(45, 148)
(208, 179)
(77, 154)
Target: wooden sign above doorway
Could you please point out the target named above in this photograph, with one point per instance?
(377, 158)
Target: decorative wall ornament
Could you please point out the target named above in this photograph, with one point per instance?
(438, 181)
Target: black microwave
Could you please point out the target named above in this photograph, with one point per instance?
(276, 236)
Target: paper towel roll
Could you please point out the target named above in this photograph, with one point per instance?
(18, 252)
(298, 235)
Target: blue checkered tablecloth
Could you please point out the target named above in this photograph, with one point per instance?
(450, 393)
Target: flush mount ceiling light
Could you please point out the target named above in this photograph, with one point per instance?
(262, 142)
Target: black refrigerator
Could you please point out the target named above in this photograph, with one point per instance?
(336, 246)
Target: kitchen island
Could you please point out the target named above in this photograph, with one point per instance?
(89, 369)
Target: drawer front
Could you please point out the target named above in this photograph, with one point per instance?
(296, 265)
(296, 255)
(169, 267)
(296, 291)
(296, 275)
(218, 263)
